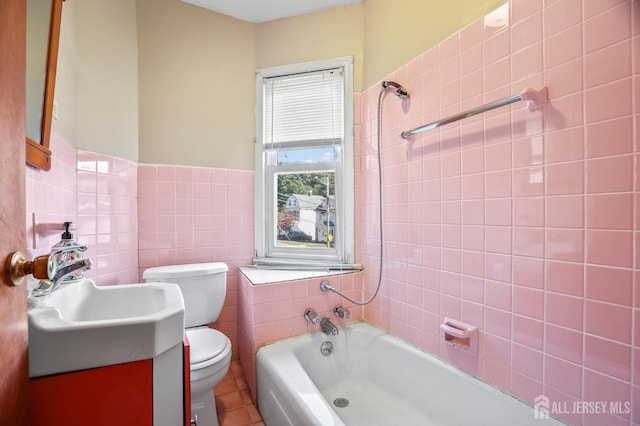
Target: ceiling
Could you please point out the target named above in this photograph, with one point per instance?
(267, 10)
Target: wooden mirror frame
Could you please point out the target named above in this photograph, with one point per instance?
(39, 154)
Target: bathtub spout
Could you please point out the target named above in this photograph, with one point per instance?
(327, 327)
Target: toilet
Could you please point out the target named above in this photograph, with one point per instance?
(203, 286)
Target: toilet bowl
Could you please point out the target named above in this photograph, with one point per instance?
(203, 287)
(210, 355)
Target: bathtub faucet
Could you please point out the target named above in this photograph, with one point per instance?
(311, 316)
(327, 327)
(341, 312)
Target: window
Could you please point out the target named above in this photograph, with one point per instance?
(304, 164)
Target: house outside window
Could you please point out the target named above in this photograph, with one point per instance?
(304, 164)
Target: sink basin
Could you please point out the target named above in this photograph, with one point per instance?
(81, 325)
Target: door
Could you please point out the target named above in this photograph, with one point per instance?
(14, 364)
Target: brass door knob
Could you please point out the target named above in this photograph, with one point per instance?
(42, 267)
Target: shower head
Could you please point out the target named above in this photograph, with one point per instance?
(400, 92)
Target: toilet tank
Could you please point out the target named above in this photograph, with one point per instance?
(203, 286)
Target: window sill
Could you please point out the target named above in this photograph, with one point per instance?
(258, 276)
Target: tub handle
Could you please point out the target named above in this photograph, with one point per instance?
(311, 316)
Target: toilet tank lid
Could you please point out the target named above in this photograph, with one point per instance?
(184, 271)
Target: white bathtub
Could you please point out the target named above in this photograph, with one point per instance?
(385, 380)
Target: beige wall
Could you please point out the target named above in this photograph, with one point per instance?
(162, 81)
(398, 31)
(322, 35)
(197, 78)
(97, 82)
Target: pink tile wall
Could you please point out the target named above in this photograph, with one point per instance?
(195, 214)
(275, 311)
(522, 223)
(98, 194)
(134, 216)
(51, 197)
(107, 216)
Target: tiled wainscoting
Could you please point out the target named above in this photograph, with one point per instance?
(522, 223)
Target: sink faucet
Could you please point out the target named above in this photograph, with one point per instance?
(47, 286)
(327, 327)
(62, 273)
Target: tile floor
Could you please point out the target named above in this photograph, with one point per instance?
(233, 400)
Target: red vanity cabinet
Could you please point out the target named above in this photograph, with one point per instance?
(115, 395)
(121, 394)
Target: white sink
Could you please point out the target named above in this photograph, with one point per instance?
(81, 325)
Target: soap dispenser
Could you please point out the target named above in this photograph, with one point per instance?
(70, 256)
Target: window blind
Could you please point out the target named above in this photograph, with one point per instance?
(304, 107)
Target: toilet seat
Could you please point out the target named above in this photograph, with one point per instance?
(207, 346)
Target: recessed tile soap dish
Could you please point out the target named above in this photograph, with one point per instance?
(461, 336)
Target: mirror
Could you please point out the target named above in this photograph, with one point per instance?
(43, 33)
